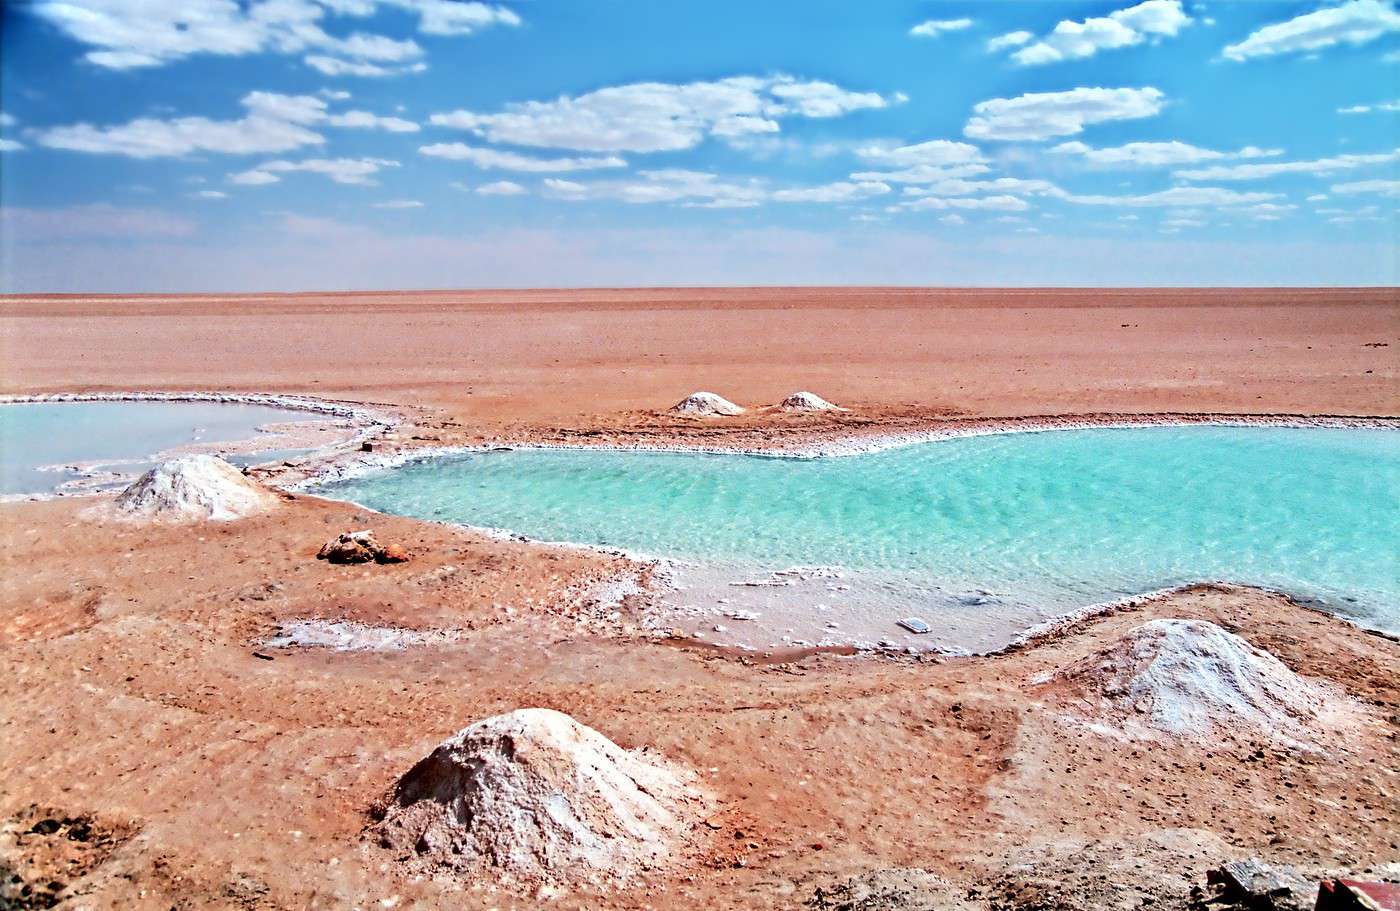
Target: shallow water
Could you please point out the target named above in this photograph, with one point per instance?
(1022, 525)
(40, 443)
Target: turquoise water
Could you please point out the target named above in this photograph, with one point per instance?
(1057, 519)
(123, 435)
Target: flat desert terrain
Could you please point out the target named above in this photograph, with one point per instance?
(155, 753)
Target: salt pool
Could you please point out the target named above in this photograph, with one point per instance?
(46, 444)
(977, 535)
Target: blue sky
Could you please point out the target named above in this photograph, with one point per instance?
(210, 145)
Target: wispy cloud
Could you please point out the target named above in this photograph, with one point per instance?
(1355, 22)
(1042, 115)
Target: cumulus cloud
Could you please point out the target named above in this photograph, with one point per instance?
(1000, 203)
(128, 35)
(367, 121)
(11, 145)
(841, 191)
(1071, 40)
(500, 188)
(1370, 187)
(511, 161)
(1355, 22)
(1041, 115)
(658, 116)
(334, 66)
(1273, 169)
(1010, 39)
(935, 27)
(341, 170)
(1175, 197)
(696, 188)
(924, 162)
(1156, 154)
(1383, 106)
(273, 123)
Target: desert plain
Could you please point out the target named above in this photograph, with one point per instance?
(155, 754)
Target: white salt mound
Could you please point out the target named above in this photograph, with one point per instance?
(807, 401)
(533, 796)
(195, 487)
(1194, 680)
(706, 403)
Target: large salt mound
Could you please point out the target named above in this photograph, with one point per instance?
(807, 401)
(706, 403)
(195, 487)
(533, 796)
(1194, 680)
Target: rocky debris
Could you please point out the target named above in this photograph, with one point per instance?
(1194, 680)
(1257, 886)
(807, 401)
(1158, 870)
(707, 404)
(195, 487)
(534, 797)
(897, 889)
(361, 547)
(43, 851)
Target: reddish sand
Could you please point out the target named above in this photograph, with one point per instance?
(182, 770)
(542, 357)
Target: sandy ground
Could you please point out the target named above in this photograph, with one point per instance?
(588, 358)
(150, 758)
(135, 700)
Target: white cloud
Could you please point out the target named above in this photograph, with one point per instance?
(1356, 22)
(953, 218)
(1384, 106)
(274, 123)
(695, 188)
(1010, 39)
(209, 194)
(1156, 154)
(1273, 169)
(833, 192)
(128, 35)
(7, 120)
(511, 161)
(935, 27)
(1001, 203)
(341, 170)
(334, 66)
(334, 94)
(1041, 115)
(1175, 197)
(924, 162)
(999, 185)
(399, 204)
(1071, 40)
(658, 116)
(366, 120)
(11, 145)
(1372, 187)
(1318, 197)
(500, 188)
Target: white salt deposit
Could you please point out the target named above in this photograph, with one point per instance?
(807, 401)
(706, 403)
(195, 487)
(1194, 680)
(535, 797)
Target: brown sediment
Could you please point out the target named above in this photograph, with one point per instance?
(137, 686)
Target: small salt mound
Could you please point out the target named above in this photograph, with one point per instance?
(534, 796)
(1194, 680)
(807, 401)
(195, 487)
(706, 403)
